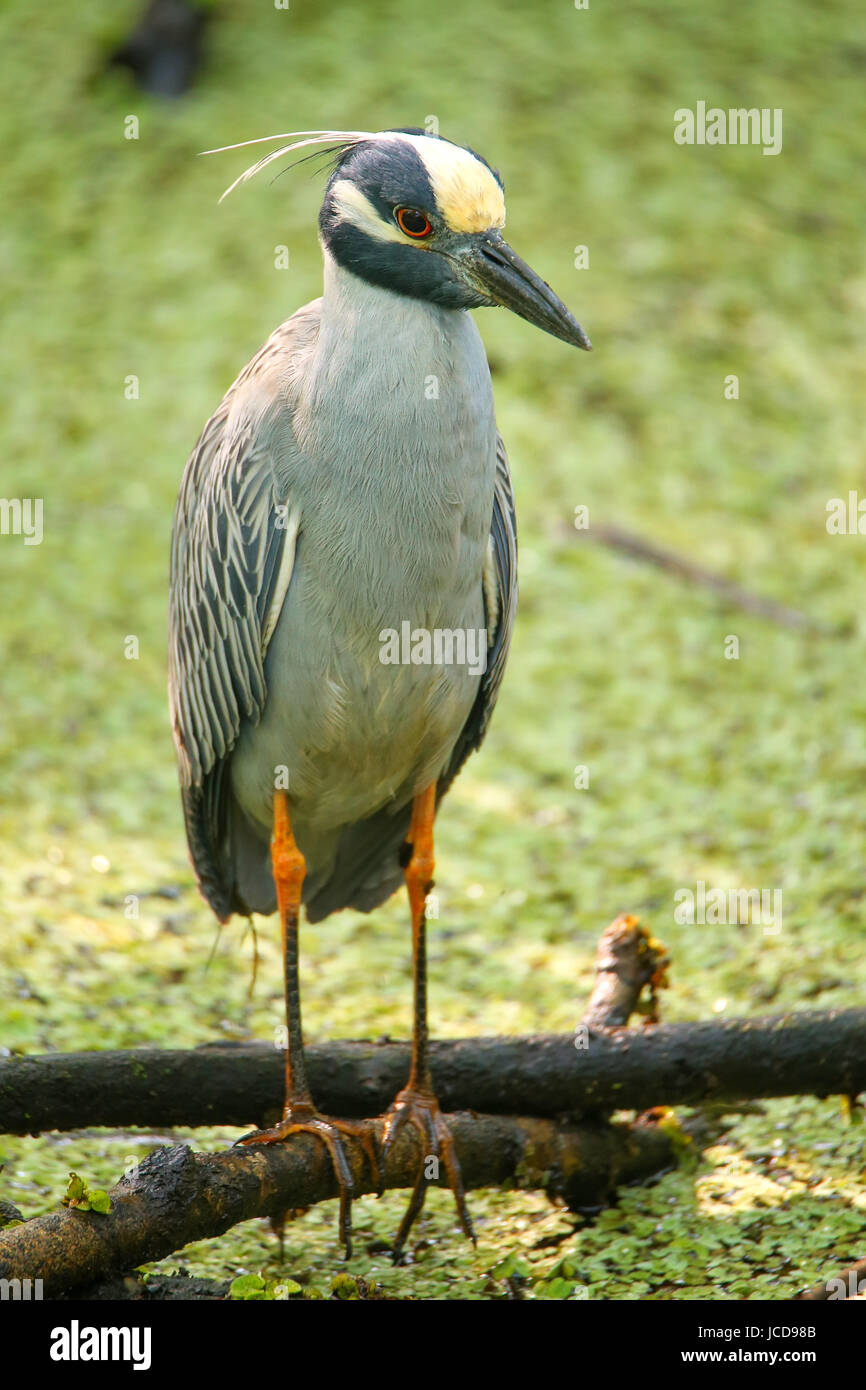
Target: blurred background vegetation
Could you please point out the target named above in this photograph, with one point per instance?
(115, 261)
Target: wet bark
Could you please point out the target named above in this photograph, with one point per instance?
(176, 1196)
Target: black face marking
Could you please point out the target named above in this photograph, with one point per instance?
(403, 269)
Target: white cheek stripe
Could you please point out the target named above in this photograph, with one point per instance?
(353, 206)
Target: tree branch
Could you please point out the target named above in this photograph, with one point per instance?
(638, 548)
(242, 1084)
(176, 1196)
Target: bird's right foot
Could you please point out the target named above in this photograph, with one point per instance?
(305, 1119)
(419, 1108)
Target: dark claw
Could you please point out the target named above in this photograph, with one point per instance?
(421, 1110)
(330, 1133)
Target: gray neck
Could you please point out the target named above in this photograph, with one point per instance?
(397, 350)
(396, 431)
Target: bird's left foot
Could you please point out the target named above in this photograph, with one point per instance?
(305, 1119)
(420, 1108)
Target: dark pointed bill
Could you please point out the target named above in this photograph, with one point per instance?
(498, 273)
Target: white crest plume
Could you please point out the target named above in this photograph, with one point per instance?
(298, 139)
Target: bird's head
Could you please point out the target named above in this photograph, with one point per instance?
(418, 215)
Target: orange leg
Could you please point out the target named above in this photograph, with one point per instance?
(416, 1104)
(300, 1114)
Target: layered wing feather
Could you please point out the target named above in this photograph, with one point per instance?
(500, 604)
(226, 551)
(233, 545)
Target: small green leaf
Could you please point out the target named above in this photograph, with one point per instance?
(554, 1288)
(248, 1286)
(76, 1194)
(75, 1188)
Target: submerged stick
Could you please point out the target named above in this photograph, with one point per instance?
(849, 1283)
(638, 548)
(626, 960)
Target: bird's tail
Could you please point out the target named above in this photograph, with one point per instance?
(201, 813)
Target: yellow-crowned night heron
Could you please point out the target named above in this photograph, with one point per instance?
(345, 529)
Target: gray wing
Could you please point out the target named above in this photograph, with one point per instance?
(225, 560)
(232, 551)
(500, 604)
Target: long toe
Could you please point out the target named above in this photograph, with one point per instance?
(420, 1109)
(306, 1120)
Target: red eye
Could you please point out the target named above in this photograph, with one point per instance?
(413, 222)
